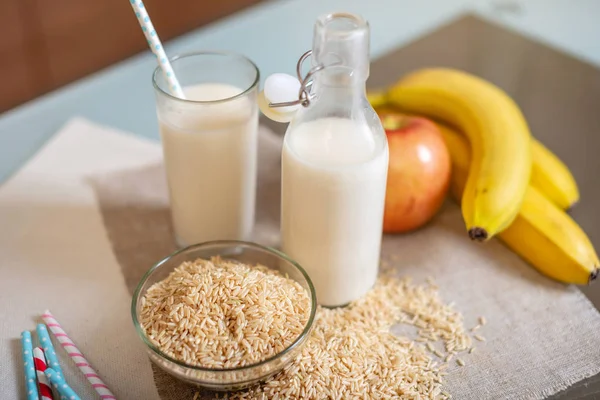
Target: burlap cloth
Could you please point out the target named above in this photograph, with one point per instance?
(541, 335)
(89, 216)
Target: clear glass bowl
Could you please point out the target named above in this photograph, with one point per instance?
(233, 378)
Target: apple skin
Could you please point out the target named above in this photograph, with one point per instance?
(418, 173)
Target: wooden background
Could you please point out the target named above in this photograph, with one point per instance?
(45, 44)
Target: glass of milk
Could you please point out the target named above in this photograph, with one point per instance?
(334, 168)
(209, 144)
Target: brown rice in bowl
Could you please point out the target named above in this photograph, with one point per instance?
(224, 314)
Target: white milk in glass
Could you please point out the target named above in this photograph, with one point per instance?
(210, 161)
(334, 176)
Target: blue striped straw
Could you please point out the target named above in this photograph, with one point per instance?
(156, 47)
(49, 352)
(28, 366)
(60, 385)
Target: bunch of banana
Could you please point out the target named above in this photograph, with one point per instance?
(498, 135)
(508, 183)
(548, 173)
(542, 233)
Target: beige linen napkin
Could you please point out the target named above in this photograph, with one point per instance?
(88, 215)
(541, 336)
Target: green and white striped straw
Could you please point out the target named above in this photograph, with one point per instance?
(156, 47)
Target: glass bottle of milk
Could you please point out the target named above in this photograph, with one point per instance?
(334, 168)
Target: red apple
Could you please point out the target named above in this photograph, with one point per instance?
(418, 174)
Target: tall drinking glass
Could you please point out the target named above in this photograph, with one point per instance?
(209, 144)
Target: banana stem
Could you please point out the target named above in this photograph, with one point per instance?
(478, 234)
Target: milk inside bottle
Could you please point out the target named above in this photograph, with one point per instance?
(334, 168)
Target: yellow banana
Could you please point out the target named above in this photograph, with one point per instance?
(542, 234)
(548, 173)
(552, 177)
(498, 135)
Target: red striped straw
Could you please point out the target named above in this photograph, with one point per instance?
(77, 357)
(39, 360)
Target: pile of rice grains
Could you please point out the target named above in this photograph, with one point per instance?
(223, 314)
(351, 353)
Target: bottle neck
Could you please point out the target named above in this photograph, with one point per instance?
(341, 45)
(338, 81)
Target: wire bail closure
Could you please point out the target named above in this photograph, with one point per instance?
(305, 84)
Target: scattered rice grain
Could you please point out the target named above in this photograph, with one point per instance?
(348, 352)
(480, 338)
